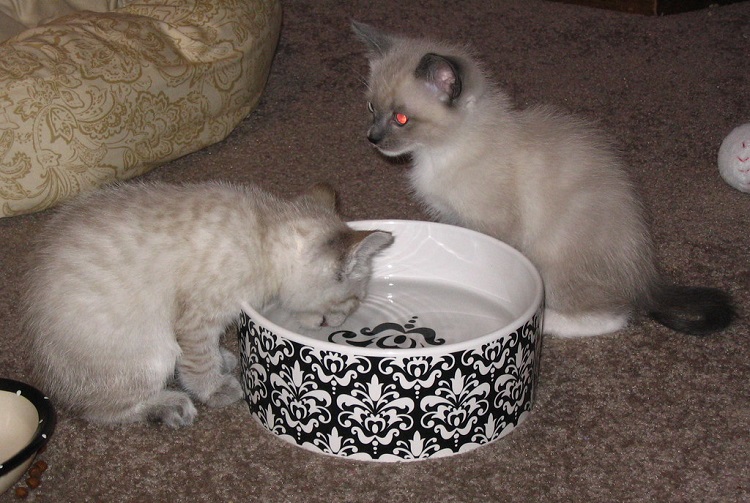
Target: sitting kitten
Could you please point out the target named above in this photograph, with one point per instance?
(138, 280)
(538, 179)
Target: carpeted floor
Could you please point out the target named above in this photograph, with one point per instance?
(642, 415)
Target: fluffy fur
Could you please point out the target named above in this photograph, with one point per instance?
(137, 282)
(539, 179)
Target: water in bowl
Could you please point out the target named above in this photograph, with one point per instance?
(407, 314)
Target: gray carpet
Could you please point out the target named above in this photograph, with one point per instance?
(642, 415)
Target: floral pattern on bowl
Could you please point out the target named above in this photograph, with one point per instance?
(389, 408)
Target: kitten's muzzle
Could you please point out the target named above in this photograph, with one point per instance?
(375, 139)
(375, 134)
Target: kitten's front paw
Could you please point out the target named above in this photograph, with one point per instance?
(229, 392)
(179, 417)
(174, 409)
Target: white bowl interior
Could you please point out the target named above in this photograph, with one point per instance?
(439, 285)
(18, 424)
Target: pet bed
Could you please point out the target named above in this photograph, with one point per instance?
(93, 91)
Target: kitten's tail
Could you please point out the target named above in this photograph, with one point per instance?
(692, 310)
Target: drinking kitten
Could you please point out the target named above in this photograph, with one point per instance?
(138, 280)
(538, 179)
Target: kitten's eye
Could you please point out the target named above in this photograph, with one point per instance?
(370, 107)
(401, 119)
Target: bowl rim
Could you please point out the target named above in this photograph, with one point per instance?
(467, 345)
(45, 428)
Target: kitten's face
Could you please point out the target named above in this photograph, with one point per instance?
(329, 279)
(321, 300)
(406, 115)
(412, 93)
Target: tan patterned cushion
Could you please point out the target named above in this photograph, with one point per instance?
(93, 97)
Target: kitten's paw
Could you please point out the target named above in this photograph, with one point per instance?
(229, 361)
(229, 392)
(582, 325)
(172, 408)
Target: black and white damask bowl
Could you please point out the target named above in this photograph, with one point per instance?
(442, 357)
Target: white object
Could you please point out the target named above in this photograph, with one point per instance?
(18, 422)
(27, 420)
(441, 358)
(734, 158)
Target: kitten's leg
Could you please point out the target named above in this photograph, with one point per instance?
(582, 325)
(116, 390)
(202, 367)
(229, 361)
(173, 408)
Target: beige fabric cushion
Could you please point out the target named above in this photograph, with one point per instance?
(22, 14)
(93, 97)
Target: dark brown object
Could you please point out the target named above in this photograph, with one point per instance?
(650, 7)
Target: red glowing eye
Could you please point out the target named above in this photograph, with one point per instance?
(401, 119)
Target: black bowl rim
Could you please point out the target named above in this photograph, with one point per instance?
(47, 421)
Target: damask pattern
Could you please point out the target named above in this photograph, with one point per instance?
(389, 335)
(95, 97)
(389, 408)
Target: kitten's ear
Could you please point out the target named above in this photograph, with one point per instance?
(378, 43)
(323, 194)
(363, 246)
(442, 75)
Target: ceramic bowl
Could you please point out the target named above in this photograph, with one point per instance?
(441, 357)
(27, 420)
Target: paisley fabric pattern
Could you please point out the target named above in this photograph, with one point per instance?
(389, 408)
(95, 97)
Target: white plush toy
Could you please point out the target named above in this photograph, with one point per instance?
(734, 158)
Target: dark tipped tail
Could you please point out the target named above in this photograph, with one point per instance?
(692, 310)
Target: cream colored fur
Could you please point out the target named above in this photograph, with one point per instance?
(539, 179)
(136, 282)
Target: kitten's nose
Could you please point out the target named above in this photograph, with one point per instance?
(375, 135)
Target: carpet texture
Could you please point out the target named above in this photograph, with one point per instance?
(642, 415)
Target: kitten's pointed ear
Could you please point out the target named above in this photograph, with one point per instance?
(323, 194)
(442, 75)
(364, 246)
(378, 43)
